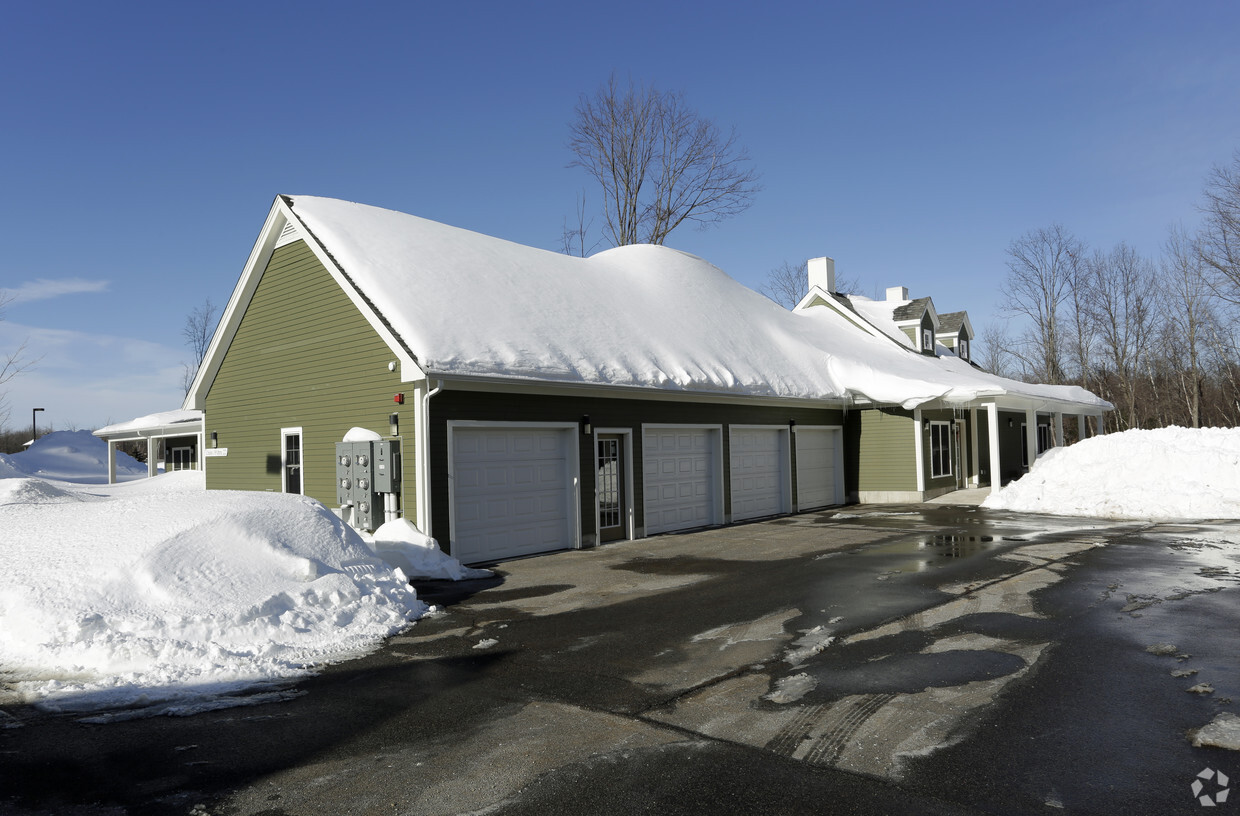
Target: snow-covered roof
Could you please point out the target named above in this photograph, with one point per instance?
(464, 304)
(155, 424)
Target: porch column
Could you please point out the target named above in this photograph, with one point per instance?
(151, 449)
(975, 471)
(1101, 428)
(992, 431)
(1031, 434)
(1082, 426)
(919, 452)
(111, 462)
(1058, 429)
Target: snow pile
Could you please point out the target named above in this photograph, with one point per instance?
(418, 555)
(161, 596)
(1171, 473)
(72, 456)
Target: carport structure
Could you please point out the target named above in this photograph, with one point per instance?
(181, 431)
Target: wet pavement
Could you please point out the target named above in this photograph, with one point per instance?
(894, 659)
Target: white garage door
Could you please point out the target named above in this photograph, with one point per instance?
(818, 480)
(757, 472)
(511, 492)
(679, 476)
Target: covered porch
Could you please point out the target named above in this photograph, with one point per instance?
(180, 432)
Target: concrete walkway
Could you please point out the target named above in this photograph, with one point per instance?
(972, 496)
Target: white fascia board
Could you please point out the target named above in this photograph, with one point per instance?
(279, 216)
(192, 428)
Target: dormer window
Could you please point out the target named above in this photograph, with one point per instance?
(962, 349)
(927, 340)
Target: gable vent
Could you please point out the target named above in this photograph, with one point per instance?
(288, 235)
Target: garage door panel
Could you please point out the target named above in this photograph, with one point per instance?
(511, 492)
(680, 479)
(758, 472)
(817, 452)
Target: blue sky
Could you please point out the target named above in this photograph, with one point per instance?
(143, 143)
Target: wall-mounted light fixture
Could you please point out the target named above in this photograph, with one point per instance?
(586, 427)
(1009, 422)
(394, 424)
(215, 439)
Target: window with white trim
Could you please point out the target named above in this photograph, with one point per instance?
(940, 449)
(927, 339)
(962, 349)
(290, 460)
(1044, 439)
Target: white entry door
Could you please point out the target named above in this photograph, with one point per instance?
(680, 478)
(819, 468)
(759, 471)
(512, 492)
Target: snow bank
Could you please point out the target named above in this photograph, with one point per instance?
(1171, 473)
(162, 596)
(71, 456)
(403, 545)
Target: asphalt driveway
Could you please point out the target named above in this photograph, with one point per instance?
(895, 659)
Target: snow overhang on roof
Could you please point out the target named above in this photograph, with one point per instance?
(181, 422)
(456, 304)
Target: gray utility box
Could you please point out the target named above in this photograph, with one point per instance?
(364, 472)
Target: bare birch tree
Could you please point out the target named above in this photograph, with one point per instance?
(199, 326)
(1187, 313)
(657, 162)
(1121, 305)
(1043, 267)
(1219, 246)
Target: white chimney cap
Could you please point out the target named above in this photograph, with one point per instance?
(897, 293)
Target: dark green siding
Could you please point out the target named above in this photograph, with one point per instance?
(303, 356)
(603, 413)
(879, 451)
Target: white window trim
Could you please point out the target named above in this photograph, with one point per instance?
(950, 470)
(927, 339)
(301, 446)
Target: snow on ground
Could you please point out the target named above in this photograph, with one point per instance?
(71, 456)
(1169, 473)
(158, 596)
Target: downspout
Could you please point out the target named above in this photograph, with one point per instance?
(424, 460)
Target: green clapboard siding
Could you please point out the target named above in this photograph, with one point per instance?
(303, 356)
(879, 443)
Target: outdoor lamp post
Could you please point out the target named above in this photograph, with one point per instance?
(34, 422)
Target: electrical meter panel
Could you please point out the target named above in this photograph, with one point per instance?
(365, 471)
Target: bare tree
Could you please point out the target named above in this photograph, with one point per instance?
(1219, 246)
(1122, 308)
(788, 283)
(1187, 313)
(573, 240)
(658, 163)
(1043, 267)
(199, 326)
(12, 363)
(996, 355)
